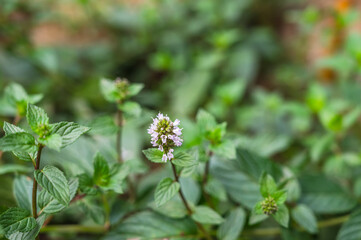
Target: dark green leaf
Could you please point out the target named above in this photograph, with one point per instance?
(233, 225)
(69, 131)
(23, 191)
(305, 218)
(351, 230)
(101, 176)
(31, 234)
(206, 215)
(282, 215)
(16, 220)
(54, 182)
(150, 225)
(166, 189)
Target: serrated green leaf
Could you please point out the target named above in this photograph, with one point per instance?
(233, 225)
(31, 234)
(166, 189)
(101, 176)
(54, 182)
(282, 215)
(23, 191)
(36, 118)
(53, 141)
(268, 185)
(350, 229)
(153, 155)
(206, 215)
(25, 156)
(183, 159)
(69, 131)
(17, 220)
(135, 88)
(305, 218)
(50, 205)
(18, 142)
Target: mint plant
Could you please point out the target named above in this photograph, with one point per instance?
(56, 191)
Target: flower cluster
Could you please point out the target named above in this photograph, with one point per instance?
(269, 206)
(165, 135)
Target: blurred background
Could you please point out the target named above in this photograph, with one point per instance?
(282, 73)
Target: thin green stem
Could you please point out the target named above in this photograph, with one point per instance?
(107, 211)
(185, 203)
(35, 183)
(119, 135)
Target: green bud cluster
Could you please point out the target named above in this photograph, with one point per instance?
(122, 85)
(269, 206)
(43, 130)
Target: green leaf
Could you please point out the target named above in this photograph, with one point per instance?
(31, 234)
(101, 176)
(86, 184)
(166, 189)
(23, 191)
(215, 188)
(241, 187)
(54, 182)
(54, 141)
(233, 225)
(305, 218)
(118, 173)
(17, 220)
(69, 131)
(25, 156)
(268, 185)
(282, 215)
(206, 215)
(153, 155)
(183, 159)
(324, 196)
(280, 196)
(205, 121)
(258, 208)
(103, 125)
(15, 93)
(135, 88)
(50, 205)
(109, 90)
(14, 168)
(225, 149)
(173, 209)
(131, 109)
(37, 118)
(351, 230)
(18, 142)
(151, 225)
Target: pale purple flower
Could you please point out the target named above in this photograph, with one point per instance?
(165, 135)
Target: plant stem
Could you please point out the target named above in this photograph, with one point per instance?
(35, 183)
(119, 135)
(119, 117)
(107, 211)
(205, 180)
(74, 229)
(189, 210)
